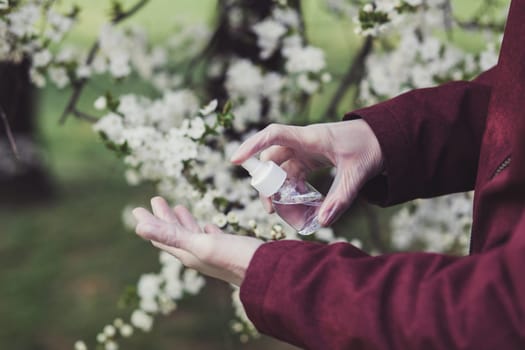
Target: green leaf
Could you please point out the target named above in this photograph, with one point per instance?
(227, 107)
(226, 120)
(129, 298)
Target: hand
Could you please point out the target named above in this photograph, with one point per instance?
(350, 146)
(209, 251)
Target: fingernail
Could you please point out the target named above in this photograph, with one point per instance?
(157, 199)
(327, 216)
(234, 157)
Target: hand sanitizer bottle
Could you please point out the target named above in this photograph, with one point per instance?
(294, 200)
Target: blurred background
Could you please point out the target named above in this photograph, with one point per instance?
(65, 256)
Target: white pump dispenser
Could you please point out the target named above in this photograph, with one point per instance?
(267, 177)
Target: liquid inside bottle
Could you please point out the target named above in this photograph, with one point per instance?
(298, 203)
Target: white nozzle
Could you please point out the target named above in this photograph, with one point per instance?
(267, 177)
(251, 165)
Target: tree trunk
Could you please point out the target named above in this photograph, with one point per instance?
(240, 41)
(22, 180)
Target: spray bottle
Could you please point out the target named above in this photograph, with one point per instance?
(293, 199)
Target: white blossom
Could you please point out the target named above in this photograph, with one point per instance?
(80, 345)
(133, 177)
(166, 304)
(232, 218)
(58, 75)
(268, 34)
(488, 58)
(126, 330)
(110, 331)
(42, 58)
(23, 21)
(193, 282)
(111, 345)
(414, 2)
(194, 128)
(220, 220)
(326, 77)
(243, 78)
(148, 286)
(357, 243)
(306, 84)
(101, 103)
(58, 25)
(101, 338)
(119, 65)
(209, 108)
(287, 16)
(112, 126)
(305, 59)
(37, 78)
(149, 305)
(141, 320)
(272, 84)
(83, 71)
(118, 322)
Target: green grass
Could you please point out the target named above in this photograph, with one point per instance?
(64, 263)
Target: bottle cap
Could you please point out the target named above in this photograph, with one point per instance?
(267, 177)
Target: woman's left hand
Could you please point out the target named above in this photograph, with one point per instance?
(209, 250)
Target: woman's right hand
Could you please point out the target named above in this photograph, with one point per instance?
(350, 146)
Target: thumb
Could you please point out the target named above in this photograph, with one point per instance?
(343, 191)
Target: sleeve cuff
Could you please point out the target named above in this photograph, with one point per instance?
(258, 277)
(265, 267)
(388, 189)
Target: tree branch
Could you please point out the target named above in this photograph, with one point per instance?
(476, 25)
(81, 115)
(352, 76)
(9, 133)
(79, 85)
(448, 17)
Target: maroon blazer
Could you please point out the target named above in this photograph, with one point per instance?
(456, 137)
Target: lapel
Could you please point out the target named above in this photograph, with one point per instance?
(507, 106)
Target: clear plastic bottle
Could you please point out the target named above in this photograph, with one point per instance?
(294, 200)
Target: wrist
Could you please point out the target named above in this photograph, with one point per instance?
(375, 154)
(244, 258)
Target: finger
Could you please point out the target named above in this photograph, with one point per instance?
(150, 230)
(162, 210)
(171, 234)
(186, 219)
(143, 215)
(340, 196)
(212, 229)
(267, 203)
(293, 137)
(277, 154)
(186, 258)
(295, 169)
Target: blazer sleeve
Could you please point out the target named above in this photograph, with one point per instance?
(430, 139)
(336, 297)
